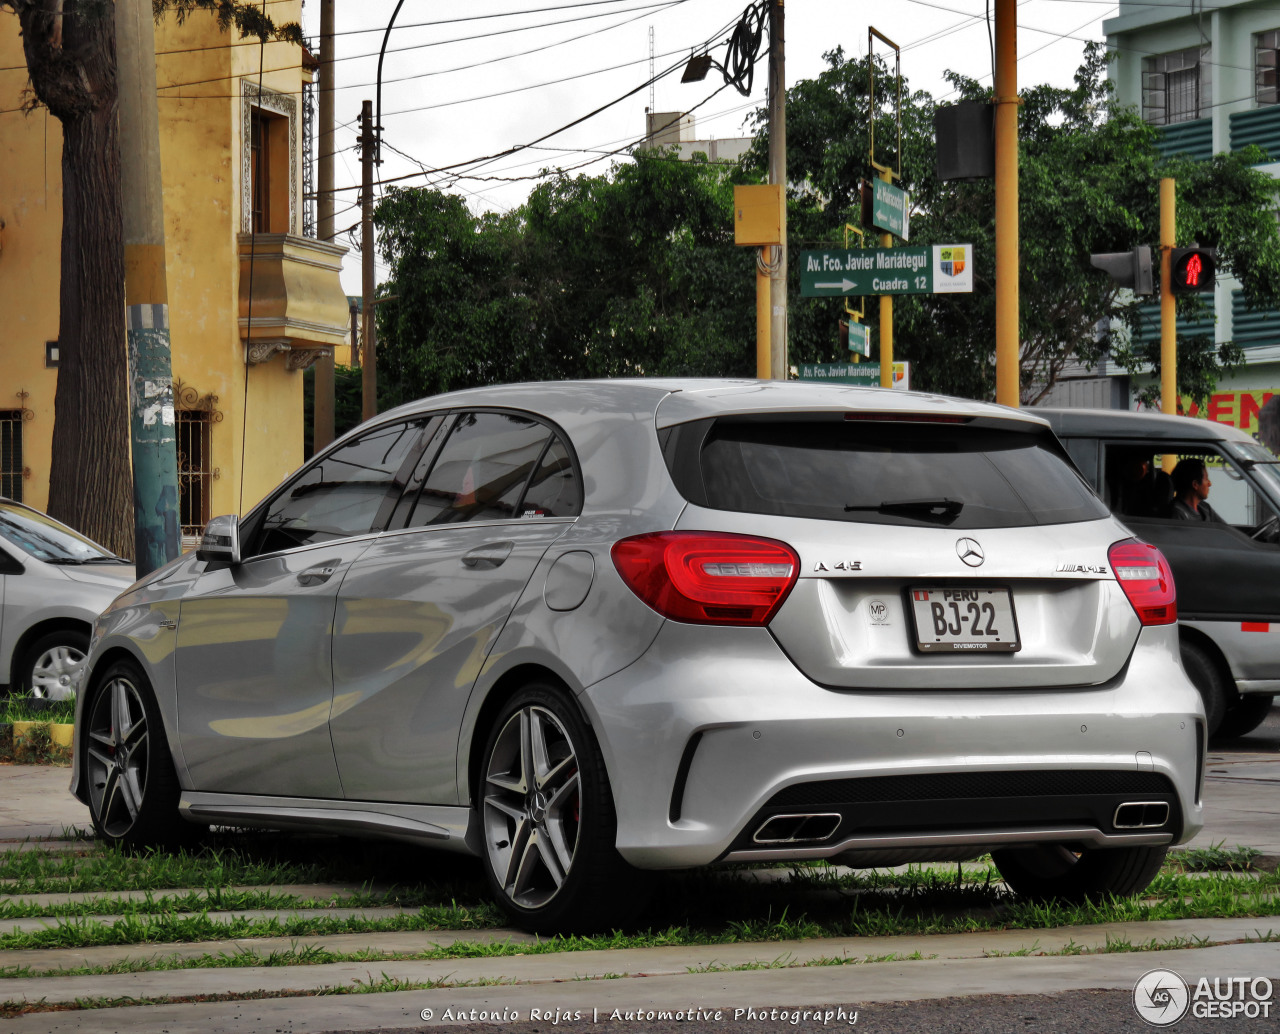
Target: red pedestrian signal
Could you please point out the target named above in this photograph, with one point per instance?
(1191, 269)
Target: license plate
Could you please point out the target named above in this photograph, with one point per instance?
(971, 620)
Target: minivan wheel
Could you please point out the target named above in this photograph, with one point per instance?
(133, 789)
(1209, 681)
(50, 664)
(1045, 872)
(546, 813)
(1246, 714)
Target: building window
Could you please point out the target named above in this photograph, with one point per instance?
(269, 155)
(1175, 87)
(1264, 66)
(11, 454)
(195, 471)
(269, 191)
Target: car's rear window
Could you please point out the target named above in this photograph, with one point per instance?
(879, 472)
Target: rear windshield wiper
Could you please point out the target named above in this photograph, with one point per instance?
(943, 510)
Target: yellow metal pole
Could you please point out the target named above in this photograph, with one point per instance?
(763, 318)
(1006, 141)
(886, 313)
(1168, 312)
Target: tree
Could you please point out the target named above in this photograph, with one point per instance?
(595, 276)
(70, 52)
(1088, 182)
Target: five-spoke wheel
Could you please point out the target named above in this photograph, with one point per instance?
(547, 815)
(133, 791)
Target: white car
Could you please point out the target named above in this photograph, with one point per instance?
(54, 583)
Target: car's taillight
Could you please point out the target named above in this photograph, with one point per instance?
(707, 577)
(1144, 575)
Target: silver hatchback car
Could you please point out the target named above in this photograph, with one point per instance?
(580, 629)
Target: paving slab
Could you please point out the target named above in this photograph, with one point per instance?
(284, 915)
(560, 966)
(37, 802)
(859, 987)
(302, 891)
(403, 942)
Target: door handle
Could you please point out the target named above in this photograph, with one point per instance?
(315, 575)
(488, 556)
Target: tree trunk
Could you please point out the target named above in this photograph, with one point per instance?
(70, 50)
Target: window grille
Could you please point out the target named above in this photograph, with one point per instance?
(309, 199)
(1175, 87)
(1264, 65)
(11, 453)
(194, 417)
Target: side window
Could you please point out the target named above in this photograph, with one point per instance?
(555, 490)
(342, 493)
(482, 469)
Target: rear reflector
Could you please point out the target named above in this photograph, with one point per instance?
(1144, 575)
(707, 577)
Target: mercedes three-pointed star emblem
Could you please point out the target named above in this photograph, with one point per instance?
(970, 552)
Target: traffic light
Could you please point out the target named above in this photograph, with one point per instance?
(1130, 269)
(1191, 269)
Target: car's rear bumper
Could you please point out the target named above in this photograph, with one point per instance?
(704, 732)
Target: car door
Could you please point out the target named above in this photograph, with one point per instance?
(421, 608)
(254, 639)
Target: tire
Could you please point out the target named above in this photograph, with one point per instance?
(1209, 680)
(133, 789)
(1246, 714)
(49, 664)
(1047, 872)
(546, 814)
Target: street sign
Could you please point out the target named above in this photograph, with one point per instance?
(939, 269)
(865, 374)
(890, 208)
(859, 339)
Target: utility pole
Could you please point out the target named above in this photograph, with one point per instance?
(1168, 308)
(368, 329)
(157, 522)
(778, 364)
(323, 423)
(1006, 141)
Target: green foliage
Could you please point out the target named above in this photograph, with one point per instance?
(636, 272)
(1089, 178)
(248, 18)
(605, 276)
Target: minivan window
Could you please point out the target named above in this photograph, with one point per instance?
(883, 472)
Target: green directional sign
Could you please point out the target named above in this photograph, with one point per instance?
(937, 269)
(865, 374)
(890, 208)
(859, 339)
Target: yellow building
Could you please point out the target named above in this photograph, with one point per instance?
(252, 301)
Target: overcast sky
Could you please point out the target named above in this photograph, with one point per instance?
(475, 78)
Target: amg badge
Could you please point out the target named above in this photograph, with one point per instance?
(1082, 568)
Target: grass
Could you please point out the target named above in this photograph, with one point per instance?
(704, 907)
(26, 708)
(1216, 858)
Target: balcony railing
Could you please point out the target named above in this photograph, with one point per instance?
(299, 307)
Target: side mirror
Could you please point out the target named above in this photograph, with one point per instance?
(221, 541)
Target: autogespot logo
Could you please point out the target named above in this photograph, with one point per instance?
(1161, 997)
(970, 552)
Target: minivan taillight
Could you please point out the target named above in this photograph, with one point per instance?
(708, 577)
(1144, 575)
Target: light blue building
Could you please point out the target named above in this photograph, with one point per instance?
(1206, 73)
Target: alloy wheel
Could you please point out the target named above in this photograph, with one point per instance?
(54, 672)
(118, 756)
(532, 806)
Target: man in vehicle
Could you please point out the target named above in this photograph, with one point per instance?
(1191, 490)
